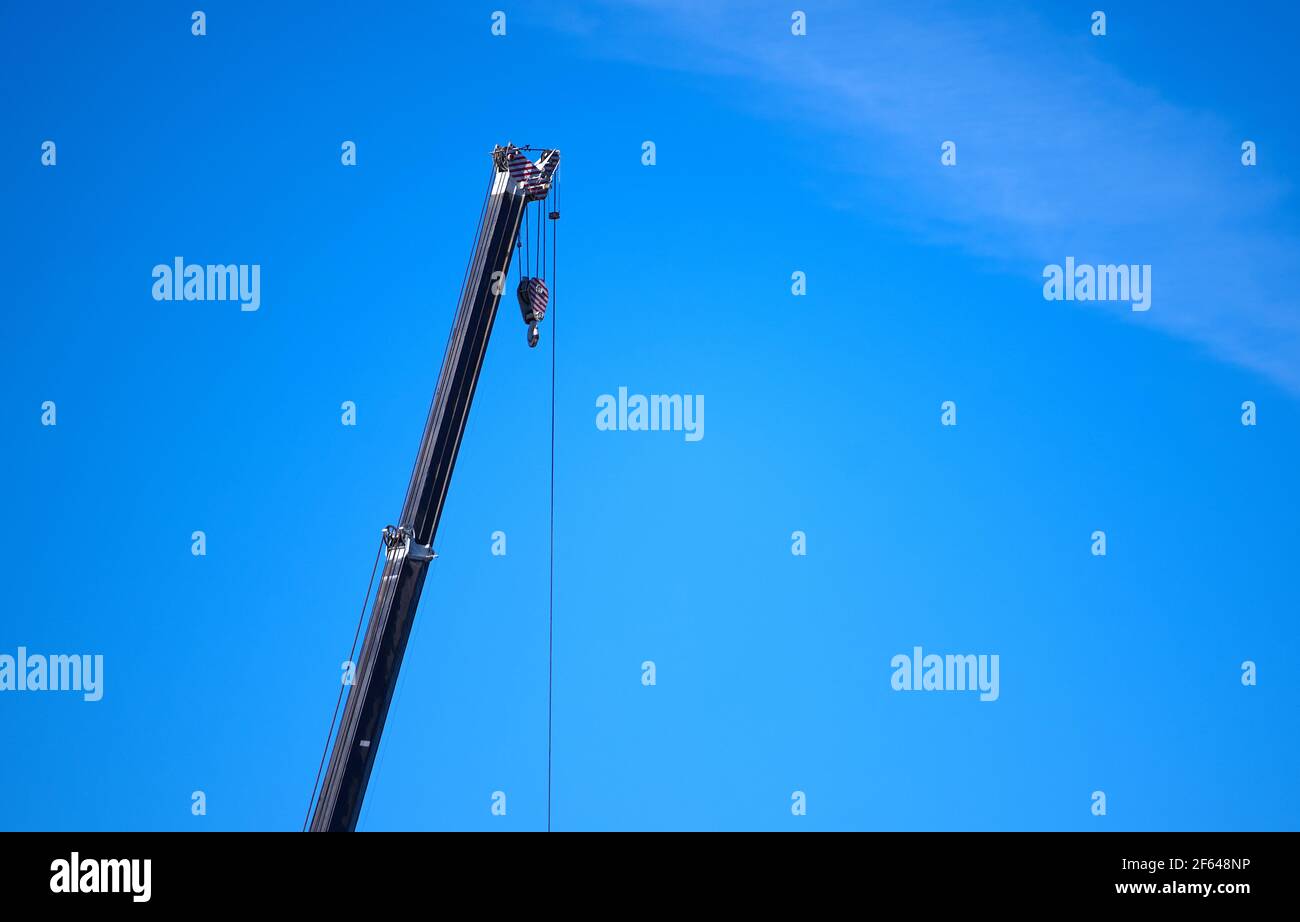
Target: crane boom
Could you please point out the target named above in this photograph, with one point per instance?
(408, 549)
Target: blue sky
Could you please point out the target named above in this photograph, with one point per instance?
(775, 153)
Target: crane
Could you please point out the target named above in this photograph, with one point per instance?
(517, 181)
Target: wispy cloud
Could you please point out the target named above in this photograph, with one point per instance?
(1059, 152)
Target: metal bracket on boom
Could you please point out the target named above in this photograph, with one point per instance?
(398, 536)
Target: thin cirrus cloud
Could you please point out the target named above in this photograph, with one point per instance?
(1059, 154)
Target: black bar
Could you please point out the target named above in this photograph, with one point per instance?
(978, 873)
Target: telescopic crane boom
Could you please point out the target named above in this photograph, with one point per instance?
(408, 546)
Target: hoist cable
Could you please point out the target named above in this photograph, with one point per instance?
(550, 641)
